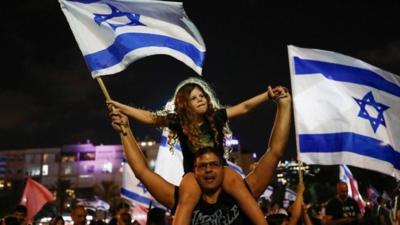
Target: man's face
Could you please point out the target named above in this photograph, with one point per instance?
(209, 171)
(341, 190)
(20, 216)
(78, 215)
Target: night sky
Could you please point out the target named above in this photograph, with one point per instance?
(48, 98)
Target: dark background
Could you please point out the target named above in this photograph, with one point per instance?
(48, 98)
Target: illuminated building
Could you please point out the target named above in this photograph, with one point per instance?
(85, 165)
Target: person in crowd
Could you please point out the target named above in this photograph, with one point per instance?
(198, 121)
(156, 216)
(124, 218)
(9, 220)
(342, 209)
(20, 213)
(397, 216)
(57, 220)
(216, 205)
(78, 215)
(383, 212)
(123, 207)
(296, 210)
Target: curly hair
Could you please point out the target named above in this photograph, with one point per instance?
(183, 114)
(187, 116)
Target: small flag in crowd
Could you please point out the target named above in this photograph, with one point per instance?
(34, 197)
(267, 193)
(113, 33)
(346, 111)
(139, 214)
(345, 175)
(290, 196)
(372, 193)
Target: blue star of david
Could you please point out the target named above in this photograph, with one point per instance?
(133, 18)
(141, 185)
(369, 99)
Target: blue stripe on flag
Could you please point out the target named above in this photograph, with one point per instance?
(164, 143)
(124, 44)
(136, 197)
(344, 73)
(349, 142)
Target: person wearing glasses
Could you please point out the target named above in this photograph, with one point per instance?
(215, 205)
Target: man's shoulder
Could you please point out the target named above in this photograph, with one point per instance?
(333, 202)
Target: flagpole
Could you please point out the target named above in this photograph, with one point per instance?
(300, 166)
(107, 95)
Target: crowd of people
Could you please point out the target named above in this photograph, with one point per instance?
(340, 209)
(210, 192)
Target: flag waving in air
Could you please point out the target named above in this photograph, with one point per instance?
(114, 33)
(346, 176)
(346, 111)
(35, 196)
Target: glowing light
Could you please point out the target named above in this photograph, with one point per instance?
(231, 142)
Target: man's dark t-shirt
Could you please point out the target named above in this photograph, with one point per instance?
(225, 211)
(339, 209)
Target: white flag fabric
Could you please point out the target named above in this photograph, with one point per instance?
(346, 176)
(169, 164)
(114, 33)
(346, 111)
(290, 196)
(268, 193)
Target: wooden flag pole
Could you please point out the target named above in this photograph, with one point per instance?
(107, 95)
(300, 168)
(103, 88)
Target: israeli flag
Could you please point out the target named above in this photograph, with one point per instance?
(114, 33)
(268, 193)
(169, 164)
(346, 111)
(290, 196)
(134, 190)
(346, 176)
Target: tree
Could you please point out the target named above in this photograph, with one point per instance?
(108, 191)
(62, 195)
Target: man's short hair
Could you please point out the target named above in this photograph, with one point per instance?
(203, 151)
(21, 209)
(277, 219)
(156, 216)
(10, 220)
